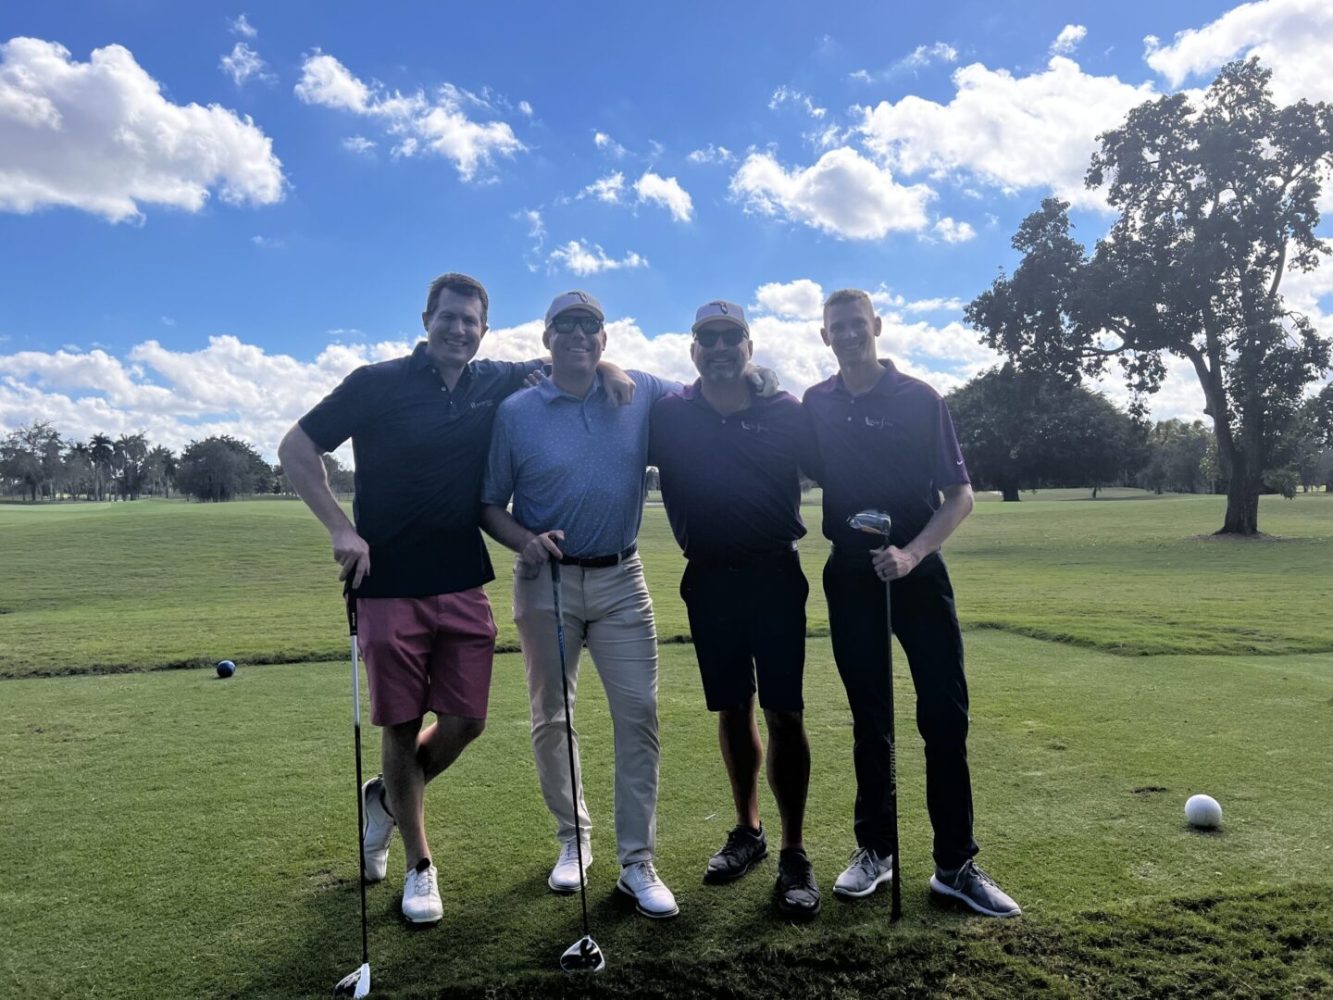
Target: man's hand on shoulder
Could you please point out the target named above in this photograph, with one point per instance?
(764, 381)
(618, 385)
(352, 554)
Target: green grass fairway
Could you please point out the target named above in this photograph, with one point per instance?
(177, 835)
(169, 834)
(107, 587)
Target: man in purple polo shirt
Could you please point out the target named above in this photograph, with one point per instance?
(420, 426)
(886, 442)
(730, 465)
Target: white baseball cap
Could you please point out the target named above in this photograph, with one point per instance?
(574, 300)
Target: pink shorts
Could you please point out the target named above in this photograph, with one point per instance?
(427, 654)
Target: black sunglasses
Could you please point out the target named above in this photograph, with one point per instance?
(708, 337)
(590, 325)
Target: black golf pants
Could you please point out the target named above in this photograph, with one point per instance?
(925, 621)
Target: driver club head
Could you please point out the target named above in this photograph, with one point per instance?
(354, 984)
(875, 522)
(583, 956)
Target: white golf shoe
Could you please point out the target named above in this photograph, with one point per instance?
(378, 830)
(421, 894)
(565, 875)
(651, 896)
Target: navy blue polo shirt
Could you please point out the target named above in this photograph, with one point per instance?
(731, 482)
(420, 453)
(892, 448)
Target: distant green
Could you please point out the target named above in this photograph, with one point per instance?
(151, 584)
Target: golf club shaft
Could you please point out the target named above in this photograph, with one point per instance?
(356, 739)
(895, 886)
(569, 738)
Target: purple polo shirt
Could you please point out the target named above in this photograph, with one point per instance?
(892, 448)
(731, 483)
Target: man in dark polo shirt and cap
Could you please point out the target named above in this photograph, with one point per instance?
(886, 442)
(420, 426)
(730, 466)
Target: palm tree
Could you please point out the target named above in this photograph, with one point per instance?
(102, 450)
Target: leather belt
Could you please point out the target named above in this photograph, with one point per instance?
(598, 562)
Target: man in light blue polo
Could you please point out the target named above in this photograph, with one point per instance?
(574, 464)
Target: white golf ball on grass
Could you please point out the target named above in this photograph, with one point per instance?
(1203, 812)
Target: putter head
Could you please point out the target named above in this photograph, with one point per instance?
(354, 984)
(583, 956)
(875, 522)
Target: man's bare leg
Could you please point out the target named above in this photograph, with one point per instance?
(738, 736)
(413, 757)
(789, 772)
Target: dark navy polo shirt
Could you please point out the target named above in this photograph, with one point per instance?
(420, 453)
(892, 448)
(730, 483)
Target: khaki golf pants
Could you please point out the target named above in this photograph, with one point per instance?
(609, 610)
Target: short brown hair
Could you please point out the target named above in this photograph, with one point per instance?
(849, 295)
(461, 284)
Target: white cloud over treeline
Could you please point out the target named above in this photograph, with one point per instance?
(233, 387)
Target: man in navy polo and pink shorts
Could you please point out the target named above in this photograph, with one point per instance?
(420, 427)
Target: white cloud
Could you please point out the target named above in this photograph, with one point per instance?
(860, 76)
(608, 145)
(951, 304)
(799, 299)
(525, 109)
(607, 189)
(243, 63)
(417, 124)
(358, 144)
(711, 154)
(1068, 39)
(589, 258)
(786, 95)
(99, 136)
(327, 82)
(843, 193)
(950, 231)
(1036, 131)
(536, 227)
(241, 26)
(924, 55)
(1291, 37)
(267, 242)
(667, 192)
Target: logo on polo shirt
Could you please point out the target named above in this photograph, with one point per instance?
(753, 426)
(880, 422)
(481, 404)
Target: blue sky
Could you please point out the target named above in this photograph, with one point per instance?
(210, 213)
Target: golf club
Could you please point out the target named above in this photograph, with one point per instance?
(583, 955)
(357, 984)
(877, 522)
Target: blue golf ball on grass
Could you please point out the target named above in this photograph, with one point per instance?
(226, 668)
